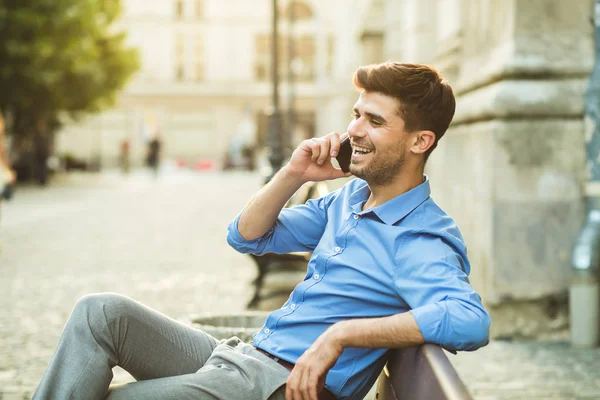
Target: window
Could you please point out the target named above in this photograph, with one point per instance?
(179, 57)
(179, 74)
(179, 9)
(303, 63)
(330, 54)
(305, 53)
(300, 9)
(372, 47)
(262, 61)
(199, 72)
(199, 59)
(199, 10)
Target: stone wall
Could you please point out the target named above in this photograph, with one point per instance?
(522, 74)
(510, 169)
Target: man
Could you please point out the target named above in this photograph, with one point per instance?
(388, 270)
(153, 156)
(7, 175)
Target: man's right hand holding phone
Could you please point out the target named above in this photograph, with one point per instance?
(311, 161)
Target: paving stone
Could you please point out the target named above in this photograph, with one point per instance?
(160, 242)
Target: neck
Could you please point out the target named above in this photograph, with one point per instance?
(407, 179)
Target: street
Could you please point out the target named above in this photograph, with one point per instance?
(162, 242)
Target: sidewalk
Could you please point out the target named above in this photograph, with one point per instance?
(162, 242)
(530, 370)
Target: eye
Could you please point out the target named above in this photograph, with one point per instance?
(375, 123)
(355, 115)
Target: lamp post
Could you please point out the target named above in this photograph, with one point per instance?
(584, 290)
(274, 131)
(291, 118)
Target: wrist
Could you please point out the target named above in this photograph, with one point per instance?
(291, 177)
(336, 335)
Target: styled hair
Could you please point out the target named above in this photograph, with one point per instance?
(426, 99)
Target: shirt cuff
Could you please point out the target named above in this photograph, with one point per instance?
(234, 233)
(429, 319)
(237, 241)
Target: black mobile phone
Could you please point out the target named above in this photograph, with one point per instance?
(344, 155)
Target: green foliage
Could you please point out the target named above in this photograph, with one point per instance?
(60, 56)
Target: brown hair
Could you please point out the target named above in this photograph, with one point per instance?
(426, 99)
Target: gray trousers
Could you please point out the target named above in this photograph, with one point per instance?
(169, 360)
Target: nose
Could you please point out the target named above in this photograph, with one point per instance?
(356, 128)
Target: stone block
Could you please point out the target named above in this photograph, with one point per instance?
(537, 206)
(520, 38)
(522, 98)
(461, 175)
(514, 189)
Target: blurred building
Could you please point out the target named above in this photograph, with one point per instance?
(206, 73)
(511, 167)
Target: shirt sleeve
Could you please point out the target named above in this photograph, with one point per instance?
(431, 279)
(297, 229)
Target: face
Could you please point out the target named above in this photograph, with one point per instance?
(378, 139)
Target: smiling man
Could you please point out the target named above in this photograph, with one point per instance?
(388, 270)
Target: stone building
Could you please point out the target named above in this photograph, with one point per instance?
(511, 168)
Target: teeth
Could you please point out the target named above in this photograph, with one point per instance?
(361, 150)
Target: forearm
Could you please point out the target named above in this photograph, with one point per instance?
(396, 331)
(262, 211)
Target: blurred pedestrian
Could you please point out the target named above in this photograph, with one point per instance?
(124, 156)
(153, 156)
(8, 176)
(41, 150)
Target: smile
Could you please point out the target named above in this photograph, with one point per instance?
(359, 151)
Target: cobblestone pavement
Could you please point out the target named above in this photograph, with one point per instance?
(162, 242)
(545, 370)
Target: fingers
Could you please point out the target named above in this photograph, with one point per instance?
(302, 386)
(320, 150)
(324, 148)
(291, 387)
(312, 387)
(335, 141)
(308, 386)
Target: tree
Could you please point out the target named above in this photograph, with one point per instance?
(59, 57)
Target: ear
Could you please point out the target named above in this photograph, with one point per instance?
(422, 141)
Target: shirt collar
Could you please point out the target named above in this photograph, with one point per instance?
(395, 209)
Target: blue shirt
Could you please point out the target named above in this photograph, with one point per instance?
(404, 255)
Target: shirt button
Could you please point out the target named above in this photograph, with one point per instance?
(316, 276)
(337, 249)
(356, 216)
(293, 306)
(267, 330)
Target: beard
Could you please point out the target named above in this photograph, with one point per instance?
(383, 168)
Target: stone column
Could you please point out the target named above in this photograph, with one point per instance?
(510, 169)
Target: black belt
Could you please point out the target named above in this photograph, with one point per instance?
(287, 365)
(324, 395)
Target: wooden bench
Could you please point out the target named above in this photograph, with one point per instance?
(420, 373)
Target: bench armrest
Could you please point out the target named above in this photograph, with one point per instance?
(420, 373)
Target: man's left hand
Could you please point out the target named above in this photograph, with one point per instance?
(307, 379)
